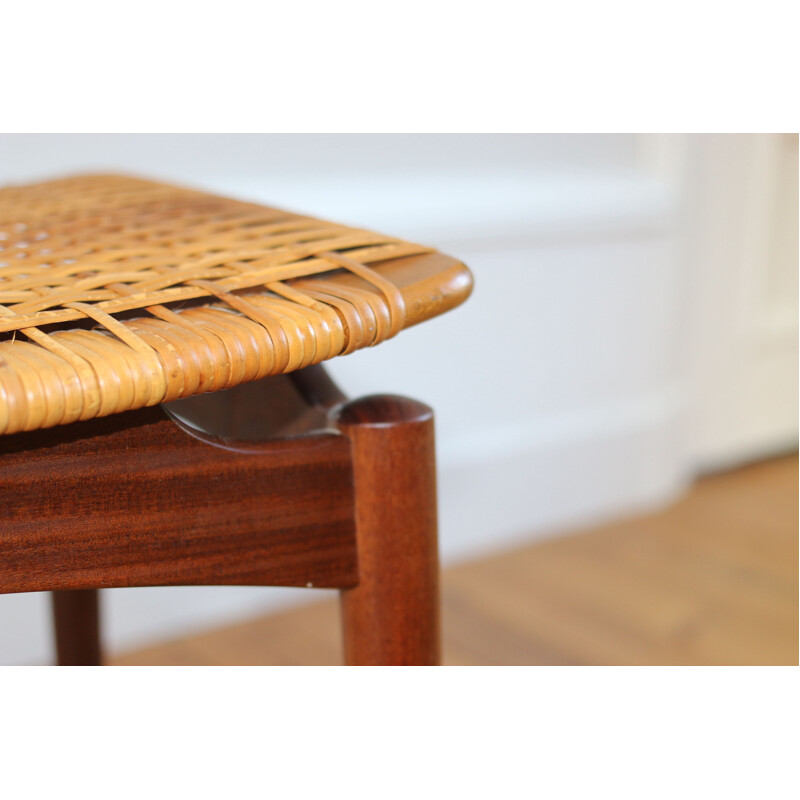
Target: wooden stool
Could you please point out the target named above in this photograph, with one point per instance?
(167, 422)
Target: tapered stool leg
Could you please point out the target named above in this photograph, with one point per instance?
(77, 626)
(392, 616)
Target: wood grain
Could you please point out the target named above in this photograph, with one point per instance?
(76, 622)
(132, 500)
(392, 615)
(713, 579)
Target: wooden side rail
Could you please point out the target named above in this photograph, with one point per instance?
(150, 505)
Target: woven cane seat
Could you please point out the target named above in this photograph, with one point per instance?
(118, 293)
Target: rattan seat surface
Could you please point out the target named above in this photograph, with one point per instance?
(118, 293)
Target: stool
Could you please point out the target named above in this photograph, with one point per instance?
(166, 420)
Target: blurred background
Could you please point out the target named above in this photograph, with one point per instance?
(617, 411)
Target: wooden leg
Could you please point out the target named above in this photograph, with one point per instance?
(76, 618)
(392, 616)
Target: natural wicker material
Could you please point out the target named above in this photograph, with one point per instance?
(118, 293)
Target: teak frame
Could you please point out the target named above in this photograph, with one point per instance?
(140, 500)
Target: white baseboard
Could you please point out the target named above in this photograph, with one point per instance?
(554, 476)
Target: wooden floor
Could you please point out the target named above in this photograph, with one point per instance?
(712, 580)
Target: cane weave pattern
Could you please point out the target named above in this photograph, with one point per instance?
(118, 293)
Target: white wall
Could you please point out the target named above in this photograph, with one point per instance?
(569, 388)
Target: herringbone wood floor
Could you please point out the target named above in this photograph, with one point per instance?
(711, 580)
